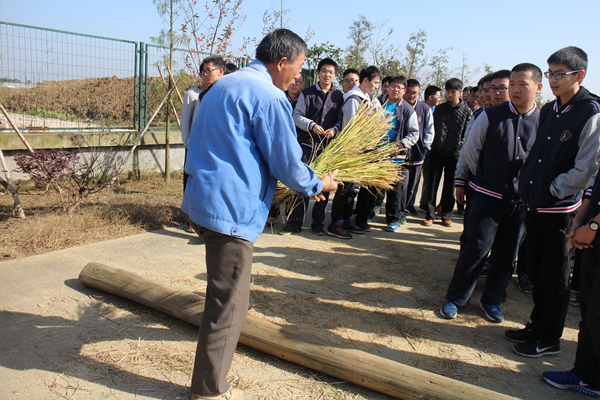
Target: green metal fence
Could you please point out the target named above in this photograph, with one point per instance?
(59, 80)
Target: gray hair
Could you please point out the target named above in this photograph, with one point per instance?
(280, 43)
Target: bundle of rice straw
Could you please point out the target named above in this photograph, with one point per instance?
(360, 152)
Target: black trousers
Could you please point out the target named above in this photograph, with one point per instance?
(492, 222)
(548, 269)
(300, 203)
(343, 202)
(587, 358)
(413, 176)
(439, 166)
(228, 271)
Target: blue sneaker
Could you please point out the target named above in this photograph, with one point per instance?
(492, 313)
(568, 380)
(392, 227)
(449, 309)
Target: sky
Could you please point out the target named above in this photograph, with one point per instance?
(500, 34)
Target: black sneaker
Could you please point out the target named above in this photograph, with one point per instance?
(318, 230)
(364, 226)
(536, 348)
(288, 230)
(524, 284)
(520, 335)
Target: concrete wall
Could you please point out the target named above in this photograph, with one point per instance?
(148, 157)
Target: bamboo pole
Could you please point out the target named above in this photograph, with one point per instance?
(139, 139)
(12, 123)
(355, 366)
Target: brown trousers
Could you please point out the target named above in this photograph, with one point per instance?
(228, 266)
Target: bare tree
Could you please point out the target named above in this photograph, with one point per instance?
(212, 31)
(278, 18)
(465, 73)
(169, 10)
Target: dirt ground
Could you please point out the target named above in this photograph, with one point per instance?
(105, 101)
(379, 292)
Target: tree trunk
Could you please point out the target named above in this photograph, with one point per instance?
(364, 369)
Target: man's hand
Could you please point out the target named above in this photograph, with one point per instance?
(329, 185)
(329, 133)
(318, 129)
(581, 237)
(460, 195)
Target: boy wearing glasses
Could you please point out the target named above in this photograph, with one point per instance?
(405, 133)
(318, 119)
(416, 156)
(563, 157)
(351, 78)
(498, 89)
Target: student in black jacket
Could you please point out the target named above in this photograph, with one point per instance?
(563, 156)
(450, 120)
(493, 154)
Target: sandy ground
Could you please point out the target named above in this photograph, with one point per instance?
(379, 292)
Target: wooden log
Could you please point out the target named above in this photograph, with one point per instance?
(355, 366)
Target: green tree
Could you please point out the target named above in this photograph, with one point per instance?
(361, 32)
(439, 71)
(415, 59)
(317, 52)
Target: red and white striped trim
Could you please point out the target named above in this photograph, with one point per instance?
(485, 191)
(560, 210)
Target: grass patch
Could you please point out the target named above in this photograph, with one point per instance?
(132, 207)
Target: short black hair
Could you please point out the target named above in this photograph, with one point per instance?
(474, 89)
(431, 91)
(536, 72)
(230, 67)
(386, 79)
(412, 83)
(501, 74)
(399, 79)
(453, 84)
(351, 71)
(327, 61)
(278, 44)
(371, 72)
(486, 78)
(573, 57)
(217, 61)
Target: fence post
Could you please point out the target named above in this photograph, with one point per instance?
(142, 96)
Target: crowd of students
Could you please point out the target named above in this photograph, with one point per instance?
(525, 177)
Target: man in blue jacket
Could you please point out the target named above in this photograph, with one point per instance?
(242, 142)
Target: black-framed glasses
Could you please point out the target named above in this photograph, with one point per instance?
(499, 89)
(350, 80)
(559, 75)
(208, 71)
(327, 71)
